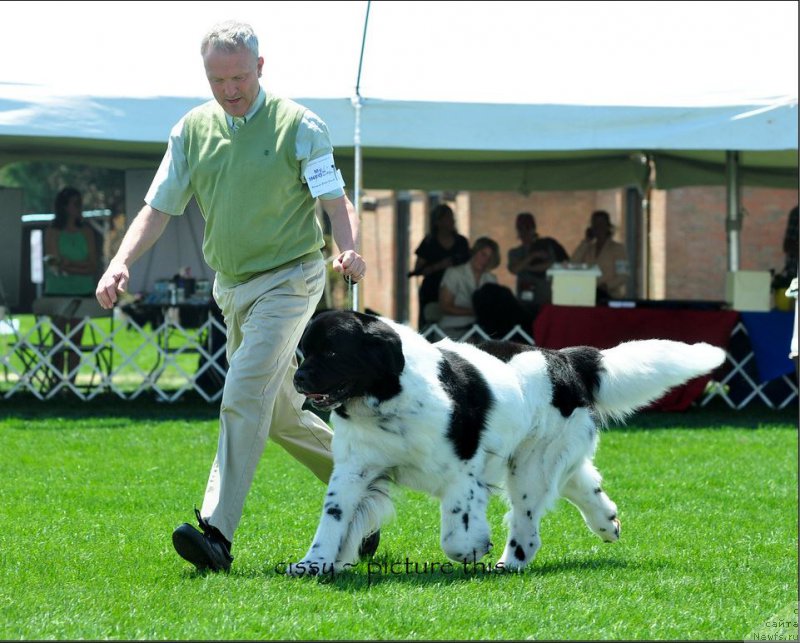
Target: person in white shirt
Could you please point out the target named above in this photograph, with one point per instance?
(459, 283)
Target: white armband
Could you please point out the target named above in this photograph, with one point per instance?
(322, 176)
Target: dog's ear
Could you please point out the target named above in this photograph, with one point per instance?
(386, 342)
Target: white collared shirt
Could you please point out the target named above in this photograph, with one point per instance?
(171, 185)
(257, 104)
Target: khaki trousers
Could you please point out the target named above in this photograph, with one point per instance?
(265, 318)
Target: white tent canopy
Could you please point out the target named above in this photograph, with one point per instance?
(441, 145)
(478, 95)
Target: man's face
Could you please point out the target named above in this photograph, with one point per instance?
(233, 77)
(526, 231)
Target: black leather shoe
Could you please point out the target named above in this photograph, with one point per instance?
(205, 549)
(369, 545)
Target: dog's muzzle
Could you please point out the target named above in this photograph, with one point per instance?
(320, 401)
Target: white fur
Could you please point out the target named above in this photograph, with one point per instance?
(527, 448)
(638, 373)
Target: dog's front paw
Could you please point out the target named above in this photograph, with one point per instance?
(465, 553)
(517, 554)
(310, 567)
(511, 565)
(612, 531)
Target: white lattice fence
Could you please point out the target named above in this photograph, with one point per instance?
(29, 364)
(741, 377)
(164, 360)
(475, 333)
(172, 360)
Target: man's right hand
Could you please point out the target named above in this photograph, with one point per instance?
(113, 282)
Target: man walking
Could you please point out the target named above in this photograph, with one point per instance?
(255, 164)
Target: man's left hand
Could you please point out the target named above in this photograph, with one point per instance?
(350, 264)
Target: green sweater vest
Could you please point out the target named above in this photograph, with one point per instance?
(259, 214)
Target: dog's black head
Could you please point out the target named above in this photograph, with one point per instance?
(348, 354)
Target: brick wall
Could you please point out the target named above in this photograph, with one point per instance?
(696, 242)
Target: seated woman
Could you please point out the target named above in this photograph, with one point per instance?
(459, 283)
(70, 267)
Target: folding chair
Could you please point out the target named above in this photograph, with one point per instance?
(82, 338)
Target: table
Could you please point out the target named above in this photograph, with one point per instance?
(604, 327)
(770, 334)
(758, 368)
(192, 313)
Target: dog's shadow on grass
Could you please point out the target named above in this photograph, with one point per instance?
(384, 570)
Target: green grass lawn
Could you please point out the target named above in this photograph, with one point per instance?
(91, 492)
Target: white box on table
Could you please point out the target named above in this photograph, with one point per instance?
(574, 286)
(748, 290)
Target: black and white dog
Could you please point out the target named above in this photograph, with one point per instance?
(461, 422)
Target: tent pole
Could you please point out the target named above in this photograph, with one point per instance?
(357, 169)
(633, 224)
(733, 221)
(644, 230)
(357, 180)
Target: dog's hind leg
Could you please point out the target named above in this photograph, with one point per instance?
(583, 490)
(465, 531)
(530, 493)
(533, 479)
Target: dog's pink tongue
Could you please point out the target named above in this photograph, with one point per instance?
(316, 396)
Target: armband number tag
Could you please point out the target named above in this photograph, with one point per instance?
(322, 176)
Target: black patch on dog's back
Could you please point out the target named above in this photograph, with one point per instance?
(504, 350)
(472, 401)
(575, 375)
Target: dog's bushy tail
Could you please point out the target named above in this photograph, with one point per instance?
(636, 373)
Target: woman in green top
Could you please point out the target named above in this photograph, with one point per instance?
(71, 264)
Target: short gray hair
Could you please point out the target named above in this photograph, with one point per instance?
(230, 36)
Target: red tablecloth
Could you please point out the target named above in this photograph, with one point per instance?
(602, 327)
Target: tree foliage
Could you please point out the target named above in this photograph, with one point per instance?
(40, 181)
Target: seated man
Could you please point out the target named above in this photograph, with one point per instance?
(598, 248)
(530, 260)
